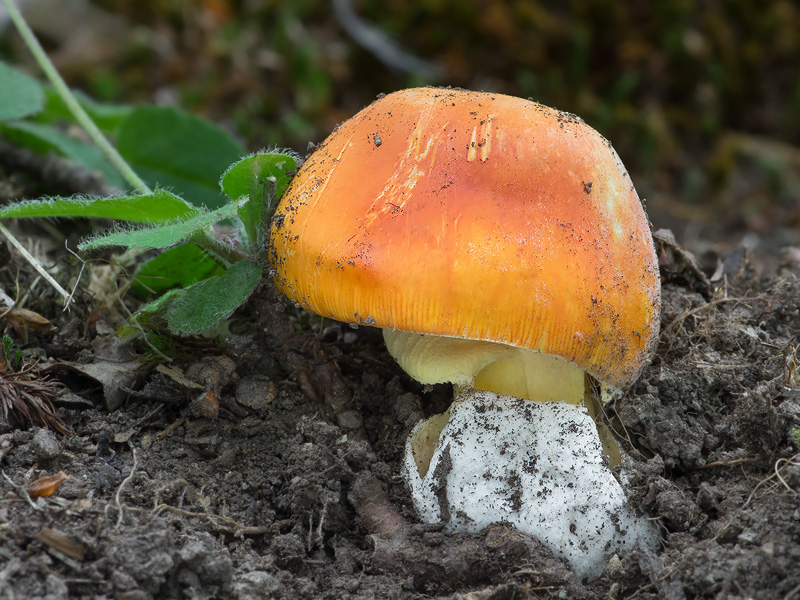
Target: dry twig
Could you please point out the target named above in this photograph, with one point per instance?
(775, 486)
(689, 313)
(20, 489)
(36, 265)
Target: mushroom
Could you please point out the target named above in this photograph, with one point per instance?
(501, 246)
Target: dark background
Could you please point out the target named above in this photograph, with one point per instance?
(700, 98)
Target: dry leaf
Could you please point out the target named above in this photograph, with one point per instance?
(22, 318)
(117, 378)
(28, 318)
(47, 486)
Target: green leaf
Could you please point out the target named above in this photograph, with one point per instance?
(263, 178)
(163, 236)
(20, 94)
(43, 138)
(159, 207)
(244, 177)
(177, 267)
(213, 300)
(174, 149)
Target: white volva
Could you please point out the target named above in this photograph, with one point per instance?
(537, 465)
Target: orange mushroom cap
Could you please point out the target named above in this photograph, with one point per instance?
(474, 215)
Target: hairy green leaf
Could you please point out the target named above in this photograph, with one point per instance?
(171, 148)
(159, 207)
(20, 94)
(213, 300)
(263, 178)
(177, 267)
(163, 236)
(44, 138)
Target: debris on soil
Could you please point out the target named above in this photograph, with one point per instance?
(26, 398)
(47, 485)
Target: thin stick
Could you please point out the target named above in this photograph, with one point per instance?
(72, 103)
(21, 491)
(681, 318)
(117, 496)
(187, 513)
(80, 273)
(729, 463)
(35, 263)
(780, 477)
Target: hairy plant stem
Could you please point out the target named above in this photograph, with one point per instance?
(72, 102)
(224, 254)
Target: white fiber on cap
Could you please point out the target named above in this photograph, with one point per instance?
(537, 465)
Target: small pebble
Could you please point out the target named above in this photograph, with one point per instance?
(45, 445)
(256, 393)
(349, 420)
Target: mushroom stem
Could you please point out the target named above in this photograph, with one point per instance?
(477, 364)
(498, 368)
(533, 376)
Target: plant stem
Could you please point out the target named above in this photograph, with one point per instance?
(72, 103)
(219, 251)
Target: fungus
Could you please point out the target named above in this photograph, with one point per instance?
(501, 246)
